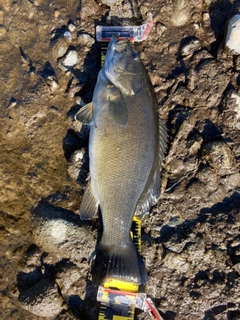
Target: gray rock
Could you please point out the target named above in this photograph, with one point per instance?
(42, 299)
(232, 40)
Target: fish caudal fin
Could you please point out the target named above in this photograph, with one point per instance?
(118, 262)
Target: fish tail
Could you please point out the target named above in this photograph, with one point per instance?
(121, 262)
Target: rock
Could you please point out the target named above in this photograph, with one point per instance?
(72, 27)
(189, 45)
(110, 2)
(161, 28)
(70, 59)
(177, 261)
(181, 13)
(232, 40)
(3, 32)
(233, 108)
(60, 44)
(60, 233)
(42, 299)
(85, 40)
(75, 163)
(219, 156)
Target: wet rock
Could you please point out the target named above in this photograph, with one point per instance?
(42, 299)
(69, 60)
(71, 27)
(219, 156)
(110, 2)
(67, 277)
(208, 74)
(189, 45)
(208, 176)
(85, 40)
(161, 28)
(60, 44)
(76, 163)
(181, 13)
(233, 34)
(3, 32)
(232, 112)
(62, 234)
(177, 261)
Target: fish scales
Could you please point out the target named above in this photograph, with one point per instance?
(125, 159)
(122, 161)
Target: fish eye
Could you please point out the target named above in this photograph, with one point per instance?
(134, 54)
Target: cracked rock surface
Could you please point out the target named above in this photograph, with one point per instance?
(190, 239)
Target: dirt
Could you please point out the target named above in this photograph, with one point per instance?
(191, 244)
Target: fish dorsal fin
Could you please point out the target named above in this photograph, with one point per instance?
(151, 196)
(85, 114)
(117, 107)
(89, 205)
(163, 139)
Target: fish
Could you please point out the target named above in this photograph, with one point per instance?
(127, 143)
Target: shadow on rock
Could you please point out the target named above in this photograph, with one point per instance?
(229, 207)
(220, 11)
(55, 278)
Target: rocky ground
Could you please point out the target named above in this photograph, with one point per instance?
(191, 243)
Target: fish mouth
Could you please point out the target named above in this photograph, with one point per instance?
(116, 44)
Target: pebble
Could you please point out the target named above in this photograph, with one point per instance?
(68, 61)
(160, 27)
(52, 83)
(85, 39)
(73, 90)
(59, 46)
(205, 16)
(75, 163)
(56, 13)
(232, 40)
(72, 27)
(181, 13)
(176, 261)
(191, 44)
(218, 155)
(78, 100)
(3, 32)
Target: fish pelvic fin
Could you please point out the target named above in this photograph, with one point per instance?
(89, 204)
(85, 114)
(118, 262)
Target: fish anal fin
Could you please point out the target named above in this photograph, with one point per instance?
(117, 107)
(89, 204)
(85, 114)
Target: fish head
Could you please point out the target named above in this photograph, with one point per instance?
(123, 67)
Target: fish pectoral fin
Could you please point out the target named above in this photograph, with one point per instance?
(85, 114)
(89, 205)
(117, 107)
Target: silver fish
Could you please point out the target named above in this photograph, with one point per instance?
(126, 147)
